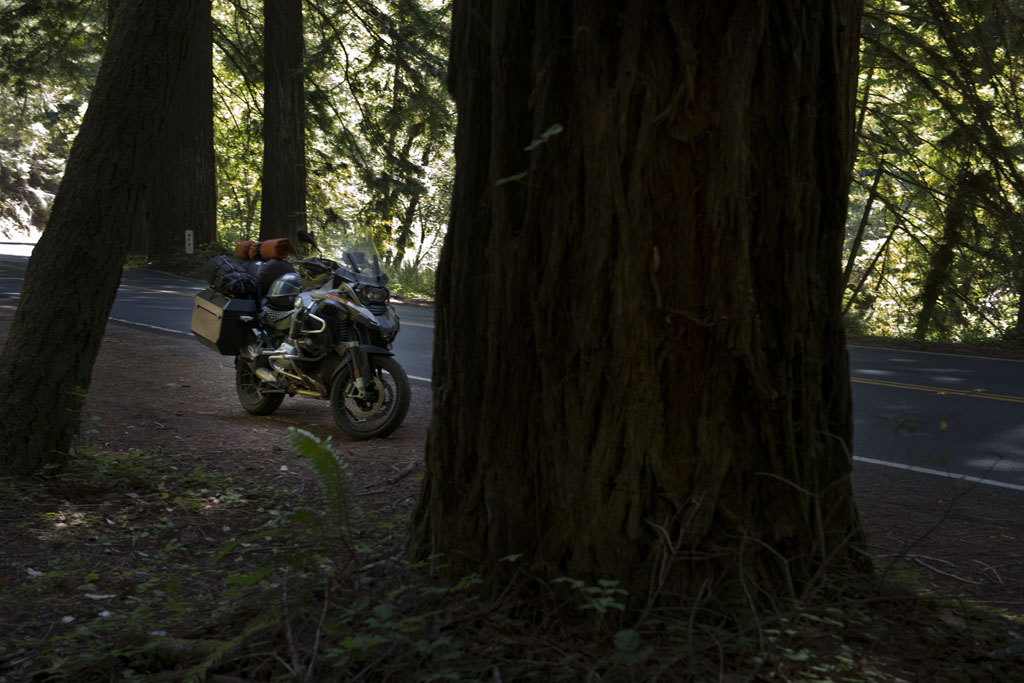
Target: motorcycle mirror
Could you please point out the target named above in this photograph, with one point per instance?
(304, 237)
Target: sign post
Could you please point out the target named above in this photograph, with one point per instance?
(190, 245)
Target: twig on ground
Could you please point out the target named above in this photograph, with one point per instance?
(949, 574)
(402, 474)
(11, 656)
(992, 569)
(372, 565)
(931, 559)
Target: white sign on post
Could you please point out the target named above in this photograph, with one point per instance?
(190, 245)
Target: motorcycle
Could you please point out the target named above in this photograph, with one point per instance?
(324, 329)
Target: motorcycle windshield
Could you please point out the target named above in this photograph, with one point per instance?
(361, 263)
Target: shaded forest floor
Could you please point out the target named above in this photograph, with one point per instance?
(187, 541)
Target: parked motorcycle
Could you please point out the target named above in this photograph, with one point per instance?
(322, 329)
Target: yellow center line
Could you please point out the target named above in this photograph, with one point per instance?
(976, 393)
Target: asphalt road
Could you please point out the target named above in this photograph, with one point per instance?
(948, 414)
(951, 416)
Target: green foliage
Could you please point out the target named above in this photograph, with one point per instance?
(552, 131)
(941, 253)
(49, 53)
(379, 124)
(238, 113)
(331, 473)
(378, 104)
(122, 586)
(411, 281)
(600, 599)
(220, 650)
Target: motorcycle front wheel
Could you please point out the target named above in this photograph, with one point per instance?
(250, 396)
(382, 407)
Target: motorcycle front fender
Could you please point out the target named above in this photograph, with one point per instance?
(374, 350)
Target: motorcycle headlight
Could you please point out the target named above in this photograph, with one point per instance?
(373, 295)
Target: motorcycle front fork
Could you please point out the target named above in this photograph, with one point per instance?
(362, 370)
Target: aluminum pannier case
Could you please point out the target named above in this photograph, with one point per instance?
(220, 322)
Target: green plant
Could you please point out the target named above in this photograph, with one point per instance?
(601, 599)
(331, 473)
(412, 281)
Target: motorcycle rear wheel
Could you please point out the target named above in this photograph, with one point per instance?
(384, 406)
(250, 396)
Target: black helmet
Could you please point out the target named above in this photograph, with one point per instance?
(283, 292)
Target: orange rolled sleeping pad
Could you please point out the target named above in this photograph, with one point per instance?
(277, 248)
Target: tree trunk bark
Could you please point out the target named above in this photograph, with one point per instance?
(938, 275)
(404, 238)
(639, 370)
(284, 133)
(47, 359)
(182, 194)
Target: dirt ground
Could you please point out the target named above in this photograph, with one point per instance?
(154, 390)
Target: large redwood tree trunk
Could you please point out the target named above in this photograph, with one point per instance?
(640, 369)
(284, 134)
(47, 358)
(182, 192)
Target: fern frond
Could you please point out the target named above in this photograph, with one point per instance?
(260, 624)
(331, 472)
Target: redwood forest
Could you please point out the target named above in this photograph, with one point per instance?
(650, 242)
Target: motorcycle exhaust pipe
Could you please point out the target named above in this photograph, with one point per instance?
(266, 375)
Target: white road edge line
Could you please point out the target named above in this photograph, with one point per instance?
(949, 475)
(420, 379)
(148, 327)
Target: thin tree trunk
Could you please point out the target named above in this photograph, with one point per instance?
(284, 145)
(942, 258)
(869, 270)
(405, 229)
(639, 368)
(862, 226)
(862, 107)
(47, 359)
(1019, 326)
(404, 237)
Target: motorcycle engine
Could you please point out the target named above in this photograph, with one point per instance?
(274, 320)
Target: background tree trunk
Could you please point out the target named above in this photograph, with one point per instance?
(640, 371)
(284, 133)
(1018, 327)
(957, 215)
(47, 359)
(182, 194)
